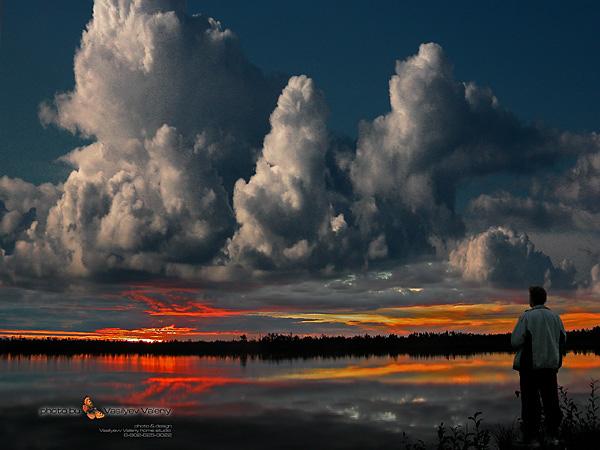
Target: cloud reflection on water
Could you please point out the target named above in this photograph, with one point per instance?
(390, 394)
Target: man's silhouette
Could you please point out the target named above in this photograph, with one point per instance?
(539, 336)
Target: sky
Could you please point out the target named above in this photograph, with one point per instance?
(202, 170)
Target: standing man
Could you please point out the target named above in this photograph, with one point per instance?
(539, 337)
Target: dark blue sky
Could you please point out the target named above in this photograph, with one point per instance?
(452, 200)
(539, 59)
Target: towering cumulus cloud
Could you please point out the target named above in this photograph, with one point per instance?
(287, 220)
(200, 164)
(283, 208)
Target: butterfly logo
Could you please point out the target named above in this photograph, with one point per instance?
(91, 411)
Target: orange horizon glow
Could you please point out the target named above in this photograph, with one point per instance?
(162, 334)
(492, 318)
(496, 317)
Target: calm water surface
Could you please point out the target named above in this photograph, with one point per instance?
(199, 402)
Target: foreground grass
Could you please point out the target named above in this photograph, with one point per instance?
(580, 430)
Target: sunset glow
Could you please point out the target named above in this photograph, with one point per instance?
(186, 318)
(167, 333)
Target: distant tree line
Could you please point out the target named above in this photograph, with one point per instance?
(286, 346)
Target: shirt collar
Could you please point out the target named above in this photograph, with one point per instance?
(540, 307)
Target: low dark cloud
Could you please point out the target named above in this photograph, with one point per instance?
(528, 213)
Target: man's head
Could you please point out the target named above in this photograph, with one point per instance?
(537, 295)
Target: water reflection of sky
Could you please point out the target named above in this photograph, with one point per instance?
(392, 394)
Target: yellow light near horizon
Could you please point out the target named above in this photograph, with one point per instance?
(490, 318)
(481, 318)
(406, 369)
(579, 320)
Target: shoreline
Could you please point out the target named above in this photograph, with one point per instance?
(288, 346)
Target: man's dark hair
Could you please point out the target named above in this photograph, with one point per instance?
(537, 295)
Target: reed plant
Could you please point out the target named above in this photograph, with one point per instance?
(580, 430)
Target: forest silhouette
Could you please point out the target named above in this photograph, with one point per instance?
(274, 346)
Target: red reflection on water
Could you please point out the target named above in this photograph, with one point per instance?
(140, 363)
(171, 381)
(152, 364)
(218, 386)
(176, 390)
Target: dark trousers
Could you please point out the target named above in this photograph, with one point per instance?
(536, 384)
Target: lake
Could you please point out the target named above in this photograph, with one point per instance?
(228, 403)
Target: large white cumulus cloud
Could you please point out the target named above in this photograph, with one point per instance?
(200, 164)
(282, 207)
(169, 100)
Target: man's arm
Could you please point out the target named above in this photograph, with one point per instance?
(517, 338)
(561, 343)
